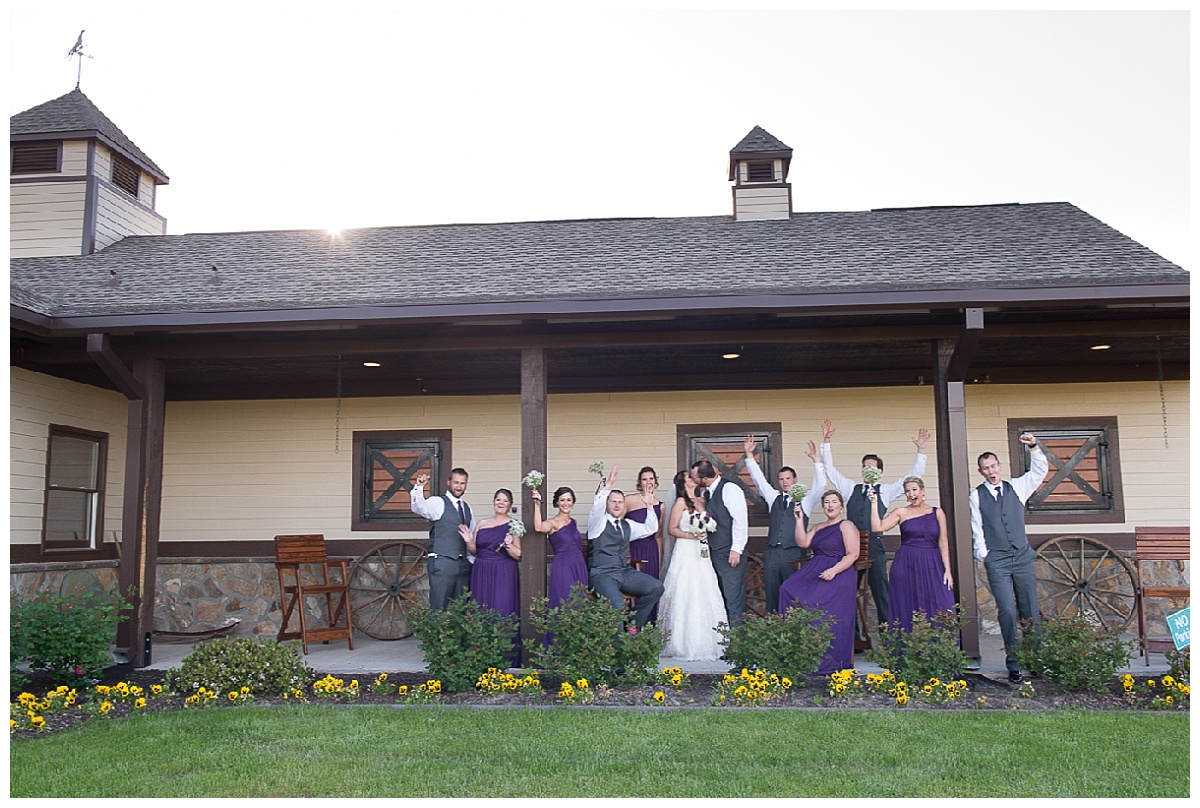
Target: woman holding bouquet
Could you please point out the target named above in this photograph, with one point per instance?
(827, 580)
(568, 569)
(692, 605)
(920, 578)
(647, 550)
(496, 545)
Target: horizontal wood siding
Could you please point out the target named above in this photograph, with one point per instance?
(46, 219)
(35, 402)
(117, 216)
(761, 203)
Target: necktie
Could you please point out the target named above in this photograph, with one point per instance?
(999, 495)
(707, 496)
(462, 512)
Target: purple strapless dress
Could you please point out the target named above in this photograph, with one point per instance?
(646, 550)
(915, 581)
(836, 598)
(568, 568)
(495, 577)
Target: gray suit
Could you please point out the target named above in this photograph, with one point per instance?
(731, 580)
(611, 577)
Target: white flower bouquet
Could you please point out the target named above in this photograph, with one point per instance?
(871, 475)
(798, 492)
(701, 523)
(597, 468)
(533, 479)
(516, 528)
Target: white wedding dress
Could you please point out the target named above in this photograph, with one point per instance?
(691, 605)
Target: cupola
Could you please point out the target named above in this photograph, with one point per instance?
(758, 169)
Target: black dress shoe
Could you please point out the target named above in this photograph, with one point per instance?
(1014, 677)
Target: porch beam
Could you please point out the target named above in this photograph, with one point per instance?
(142, 507)
(533, 456)
(123, 379)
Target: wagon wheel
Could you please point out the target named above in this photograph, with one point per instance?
(386, 584)
(756, 590)
(1078, 575)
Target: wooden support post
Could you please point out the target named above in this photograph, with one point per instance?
(951, 359)
(142, 507)
(533, 456)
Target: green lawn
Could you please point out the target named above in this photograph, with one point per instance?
(330, 751)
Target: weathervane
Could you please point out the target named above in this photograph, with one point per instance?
(77, 50)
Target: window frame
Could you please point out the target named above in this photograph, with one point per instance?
(367, 441)
(30, 145)
(753, 166)
(770, 436)
(1108, 460)
(96, 492)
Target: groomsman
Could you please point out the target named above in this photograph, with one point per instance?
(782, 552)
(998, 539)
(858, 507)
(609, 534)
(727, 506)
(449, 564)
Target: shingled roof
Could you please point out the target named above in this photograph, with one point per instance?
(74, 114)
(760, 140)
(944, 254)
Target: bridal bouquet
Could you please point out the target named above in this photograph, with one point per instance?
(798, 492)
(516, 528)
(871, 475)
(597, 468)
(533, 479)
(699, 523)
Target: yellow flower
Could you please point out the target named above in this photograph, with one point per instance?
(928, 689)
(37, 722)
(233, 695)
(402, 690)
(381, 678)
(902, 699)
(786, 683)
(677, 680)
(12, 723)
(139, 704)
(1170, 699)
(659, 696)
(1150, 682)
(582, 684)
(105, 706)
(156, 689)
(103, 690)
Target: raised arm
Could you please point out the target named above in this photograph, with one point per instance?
(547, 526)
(841, 482)
(765, 489)
(596, 515)
(1028, 483)
(818, 482)
(886, 523)
(895, 490)
(430, 509)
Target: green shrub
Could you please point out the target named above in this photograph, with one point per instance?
(584, 630)
(231, 663)
(68, 637)
(930, 651)
(638, 652)
(463, 641)
(1071, 652)
(1180, 660)
(788, 645)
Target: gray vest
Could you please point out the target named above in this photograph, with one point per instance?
(608, 550)
(721, 540)
(444, 538)
(782, 532)
(858, 507)
(1003, 525)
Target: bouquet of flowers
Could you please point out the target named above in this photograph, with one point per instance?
(871, 475)
(798, 492)
(597, 468)
(699, 523)
(534, 479)
(516, 528)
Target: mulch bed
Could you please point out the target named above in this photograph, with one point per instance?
(812, 694)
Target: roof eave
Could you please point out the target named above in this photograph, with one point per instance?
(87, 134)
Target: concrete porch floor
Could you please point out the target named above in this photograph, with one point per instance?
(371, 657)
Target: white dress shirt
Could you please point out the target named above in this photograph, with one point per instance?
(888, 492)
(433, 508)
(599, 517)
(769, 492)
(735, 503)
(1024, 486)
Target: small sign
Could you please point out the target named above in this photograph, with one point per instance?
(1180, 625)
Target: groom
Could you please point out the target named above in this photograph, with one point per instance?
(609, 533)
(727, 507)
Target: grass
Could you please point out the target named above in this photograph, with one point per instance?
(319, 751)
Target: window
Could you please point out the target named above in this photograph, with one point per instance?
(75, 463)
(1084, 481)
(384, 465)
(37, 158)
(722, 445)
(125, 175)
(760, 171)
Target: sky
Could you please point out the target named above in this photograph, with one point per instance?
(345, 116)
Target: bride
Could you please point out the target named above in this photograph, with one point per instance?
(691, 605)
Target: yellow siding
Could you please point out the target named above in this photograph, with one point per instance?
(117, 216)
(35, 402)
(46, 219)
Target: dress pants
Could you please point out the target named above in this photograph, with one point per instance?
(732, 582)
(612, 584)
(448, 578)
(777, 568)
(1013, 581)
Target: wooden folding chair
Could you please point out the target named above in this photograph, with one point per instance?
(1159, 544)
(292, 552)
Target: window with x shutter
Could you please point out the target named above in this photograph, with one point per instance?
(1084, 481)
(385, 464)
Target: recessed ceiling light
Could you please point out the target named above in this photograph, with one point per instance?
(1101, 347)
(730, 356)
(370, 364)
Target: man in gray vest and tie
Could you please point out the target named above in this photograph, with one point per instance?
(727, 506)
(998, 538)
(609, 534)
(448, 564)
(782, 551)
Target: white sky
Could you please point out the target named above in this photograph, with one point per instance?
(344, 118)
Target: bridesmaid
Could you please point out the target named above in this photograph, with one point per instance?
(495, 576)
(827, 580)
(568, 568)
(649, 549)
(920, 579)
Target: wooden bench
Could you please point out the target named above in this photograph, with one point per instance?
(1159, 544)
